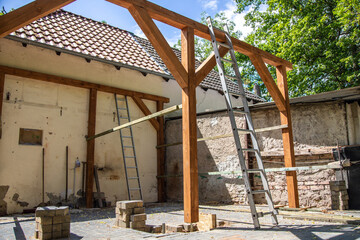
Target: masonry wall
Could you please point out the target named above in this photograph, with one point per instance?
(62, 113)
(315, 127)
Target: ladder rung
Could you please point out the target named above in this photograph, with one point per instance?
(133, 178)
(120, 99)
(261, 214)
(254, 170)
(259, 191)
(239, 111)
(129, 156)
(128, 146)
(126, 136)
(224, 45)
(124, 118)
(244, 130)
(237, 94)
(227, 60)
(131, 167)
(249, 150)
(132, 189)
(231, 77)
(122, 108)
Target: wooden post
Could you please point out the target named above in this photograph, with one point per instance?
(190, 164)
(288, 141)
(2, 83)
(90, 158)
(160, 155)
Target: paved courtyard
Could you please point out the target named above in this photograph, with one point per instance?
(99, 224)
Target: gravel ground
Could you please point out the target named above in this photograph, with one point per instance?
(99, 224)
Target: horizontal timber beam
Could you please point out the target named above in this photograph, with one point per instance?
(78, 83)
(28, 13)
(178, 21)
(137, 121)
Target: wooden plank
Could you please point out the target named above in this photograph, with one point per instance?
(90, 155)
(269, 82)
(160, 44)
(137, 121)
(2, 83)
(206, 66)
(146, 111)
(178, 21)
(160, 155)
(288, 142)
(226, 135)
(189, 124)
(28, 13)
(78, 83)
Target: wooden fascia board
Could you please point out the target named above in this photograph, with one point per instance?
(159, 42)
(206, 66)
(78, 83)
(28, 13)
(145, 110)
(176, 20)
(269, 82)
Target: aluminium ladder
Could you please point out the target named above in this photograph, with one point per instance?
(128, 149)
(245, 171)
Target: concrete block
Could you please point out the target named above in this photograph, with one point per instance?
(123, 217)
(44, 220)
(156, 229)
(62, 211)
(45, 228)
(138, 217)
(45, 211)
(58, 219)
(56, 228)
(65, 234)
(170, 228)
(189, 227)
(65, 227)
(137, 224)
(56, 234)
(139, 210)
(123, 224)
(45, 236)
(208, 221)
(130, 204)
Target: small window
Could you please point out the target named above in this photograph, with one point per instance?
(30, 136)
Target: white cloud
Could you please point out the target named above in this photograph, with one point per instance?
(212, 4)
(138, 32)
(238, 19)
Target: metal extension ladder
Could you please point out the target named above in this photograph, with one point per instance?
(231, 111)
(128, 150)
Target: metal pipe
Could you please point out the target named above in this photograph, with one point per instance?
(67, 173)
(43, 175)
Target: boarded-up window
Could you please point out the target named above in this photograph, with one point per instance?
(30, 136)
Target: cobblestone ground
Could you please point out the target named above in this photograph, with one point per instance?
(99, 224)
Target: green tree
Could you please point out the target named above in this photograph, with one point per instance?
(321, 38)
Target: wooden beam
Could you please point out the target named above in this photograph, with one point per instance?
(2, 83)
(146, 111)
(190, 164)
(160, 155)
(137, 121)
(178, 21)
(160, 44)
(78, 83)
(206, 66)
(28, 13)
(90, 156)
(288, 142)
(269, 82)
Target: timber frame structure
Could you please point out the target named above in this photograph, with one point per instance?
(187, 76)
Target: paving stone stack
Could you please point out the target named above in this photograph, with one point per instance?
(339, 195)
(52, 222)
(130, 214)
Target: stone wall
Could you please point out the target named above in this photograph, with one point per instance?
(316, 128)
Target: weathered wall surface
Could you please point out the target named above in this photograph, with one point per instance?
(62, 113)
(315, 127)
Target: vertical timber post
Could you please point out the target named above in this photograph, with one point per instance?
(190, 164)
(2, 83)
(160, 155)
(90, 158)
(288, 141)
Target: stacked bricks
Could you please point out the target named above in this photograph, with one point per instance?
(130, 214)
(52, 222)
(339, 195)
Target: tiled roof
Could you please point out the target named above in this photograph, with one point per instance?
(76, 34)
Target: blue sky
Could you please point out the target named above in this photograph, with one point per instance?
(117, 16)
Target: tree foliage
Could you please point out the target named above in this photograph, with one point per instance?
(320, 37)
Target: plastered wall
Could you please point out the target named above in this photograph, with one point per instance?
(62, 113)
